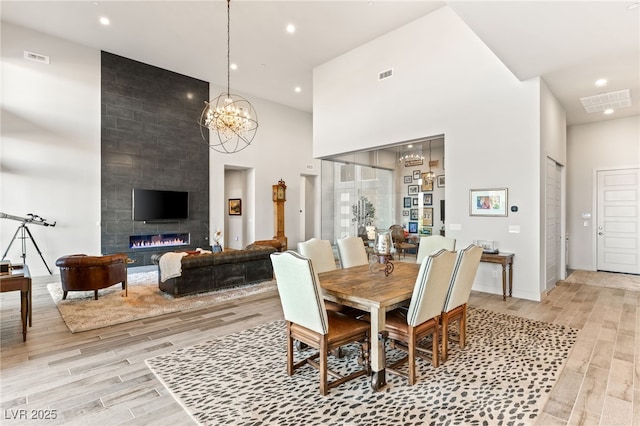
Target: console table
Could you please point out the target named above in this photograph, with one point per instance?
(504, 259)
(19, 279)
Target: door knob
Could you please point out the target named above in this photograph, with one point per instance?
(600, 233)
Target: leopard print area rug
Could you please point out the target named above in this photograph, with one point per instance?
(503, 376)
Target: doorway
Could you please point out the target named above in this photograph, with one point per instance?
(309, 208)
(618, 220)
(553, 259)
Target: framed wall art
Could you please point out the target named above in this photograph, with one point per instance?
(427, 185)
(427, 216)
(426, 230)
(414, 214)
(407, 202)
(427, 199)
(413, 227)
(235, 206)
(405, 212)
(413, 189)
(488, 202)
(440, 180)
(408, 179)
(414, 201)
(416, 174)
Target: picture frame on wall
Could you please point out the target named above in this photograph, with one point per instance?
(416, 174)
(427, 199)
(407, 202)
(426, 230)
(427, 185)
(408, 179)
(413, 189)
(414, 214)
(413, 227)
(405, 212)
(427, 216)
(488, 202)
(235, 206)
(414, 201)
(440, 180)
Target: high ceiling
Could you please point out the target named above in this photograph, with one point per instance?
(569, 44)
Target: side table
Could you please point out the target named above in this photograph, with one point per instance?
(504, 259)
(19, 279)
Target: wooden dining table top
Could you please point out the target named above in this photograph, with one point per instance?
(361, 288)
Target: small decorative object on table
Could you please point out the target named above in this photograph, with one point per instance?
(217, 237)
(488, 246)
(382, 253)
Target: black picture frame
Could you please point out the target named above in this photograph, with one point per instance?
(408, 179)
(414, 201)
(407, 202)
(427, 199)
(416, 174)
(413, 189)
(413, 227)
(414, 214)
(235, 207)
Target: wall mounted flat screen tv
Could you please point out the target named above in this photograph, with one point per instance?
(151, 205)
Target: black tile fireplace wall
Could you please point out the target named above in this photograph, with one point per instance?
(151, 140)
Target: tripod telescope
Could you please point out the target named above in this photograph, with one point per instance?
(24, 233)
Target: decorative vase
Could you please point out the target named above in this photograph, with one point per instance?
(217, 248)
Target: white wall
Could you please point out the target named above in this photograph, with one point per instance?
(50, 149)
(590, 147)
(446, 81)
(50, 153)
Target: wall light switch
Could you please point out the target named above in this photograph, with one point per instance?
(455, 227)
(514, 229)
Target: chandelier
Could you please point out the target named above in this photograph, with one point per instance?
(231, 117)
(411, 156)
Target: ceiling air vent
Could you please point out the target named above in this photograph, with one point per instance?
(385, 74)
(603, 101)
(36, 57)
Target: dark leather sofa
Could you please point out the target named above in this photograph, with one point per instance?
(213, 271)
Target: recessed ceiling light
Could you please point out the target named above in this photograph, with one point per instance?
(291, 28)
(233, 66)
(608, 111)
(601, 82)
(298, 89)
(104, 20)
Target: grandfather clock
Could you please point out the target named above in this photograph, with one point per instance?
(279, 197)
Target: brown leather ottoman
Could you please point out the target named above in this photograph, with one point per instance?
(79, 272)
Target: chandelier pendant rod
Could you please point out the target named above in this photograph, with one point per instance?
(228, 48)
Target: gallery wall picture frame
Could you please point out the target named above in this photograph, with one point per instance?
(427, 199)
(414, 201)
(413, 189)
(427, 216)
(408, 179)
(416, 174)
(405, 212)
(407, 202)
(414, 214)
(427, 185)
(488, 202)
(413, 227)
(235, 206)
(426, 230)
(440, 180)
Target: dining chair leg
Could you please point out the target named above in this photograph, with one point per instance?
(445, 337)
(412, 356)
(289, 350)
(463, 326)
(435, 358)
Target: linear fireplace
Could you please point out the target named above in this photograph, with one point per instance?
(159, 240)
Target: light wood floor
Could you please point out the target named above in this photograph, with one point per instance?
(100, 377)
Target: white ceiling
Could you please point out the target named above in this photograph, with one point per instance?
(569, 44)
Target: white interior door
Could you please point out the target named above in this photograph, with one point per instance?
(618, 209)
(553, 223)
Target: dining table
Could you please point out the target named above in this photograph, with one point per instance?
(370, 289)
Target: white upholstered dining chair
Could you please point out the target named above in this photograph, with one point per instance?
(309, 322)
(433, 244)
(408, 326)
(320, 252)
(455, 304)
(352, 252)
